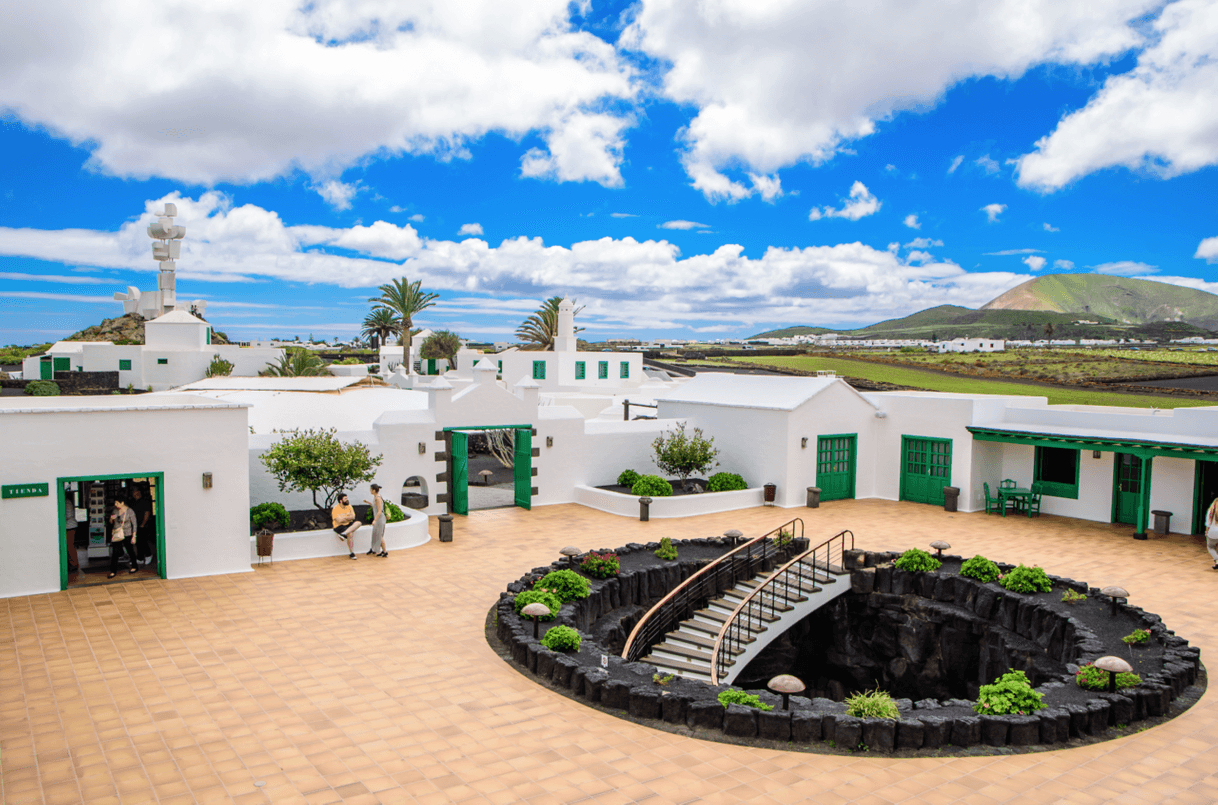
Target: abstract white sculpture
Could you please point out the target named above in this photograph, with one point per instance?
(166, 249)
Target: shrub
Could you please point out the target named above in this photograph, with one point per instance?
(537, 596)
(980, 568)
(394, 513)
(628, 478)
(666, 551)
(219, 367)
(600, 565)
(684, 454)
(725, 482)
(917, 560)
(318, 461)
(662, 679)
(1072, 597)
(566, 585)
(1010, 693)
(42, 388)
(351, 361)
(652, 486)
(1024, 579)
(269, 514)
(561, 638)
(1091, 678)
(783, 538)
(1138, 636)
(872, 704)
(740, 697)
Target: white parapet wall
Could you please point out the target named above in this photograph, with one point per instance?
(409, 533)
(680, 506)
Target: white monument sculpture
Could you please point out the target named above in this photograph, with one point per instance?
(166, 249)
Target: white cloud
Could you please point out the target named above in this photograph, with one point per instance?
(1160, 118)
(992, 211)
(923, 243)
(244, 92)
(622, 215)
(757, 72)
(956, 163)
(770, 187)
(55, 278)
(337, 194)
(861, 204)
(57, 297)
(1208, 249)
(1125, 268)
(890, 168)
(911, 221)
(1008, 252)
(470, 229)
(1050, 228)
(683, 225)
(987, 164)
(1034, 262)
(418, 218)
(1064, 265)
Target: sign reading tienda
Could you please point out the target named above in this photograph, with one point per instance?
(24, 491)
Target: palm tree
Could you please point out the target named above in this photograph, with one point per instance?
(381, 323)
(405, 299)
(297, 363)
(1049, 332)
(539, 330)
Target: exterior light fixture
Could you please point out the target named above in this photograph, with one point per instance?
(422, 448)
(803, 442)
(207, 480)
(549, 441)
(1095, 453)
(880, 415)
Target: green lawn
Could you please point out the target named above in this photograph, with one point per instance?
(935, 381)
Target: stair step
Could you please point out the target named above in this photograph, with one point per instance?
(721, 616)
(679, 667)
(785, 596)
(698, 638)
(667, 648)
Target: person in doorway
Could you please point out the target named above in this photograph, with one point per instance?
(141, 505)
(1211, 531)
(122, 537)
(70, 525)
(342, 517)
(378, 523)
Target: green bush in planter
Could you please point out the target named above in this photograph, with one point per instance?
(393, 513)
(1091, 678)
(561, 638)
(916, 560)
(740, 697)
(537, 596)
(725, 482)
(269, 514)
(1011, 693)
(566, 585)
(667, 551)
(652, 486)
(628, 478)
(43, 388)
(979, 568)
(1024, 579)
(872, 704)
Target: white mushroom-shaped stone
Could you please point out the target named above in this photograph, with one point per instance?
(486, 476)
(1114, 593)
(1114, 666)
(786, 685)
(940, 546)
(571, 552)
(734, 535)
(536, 611)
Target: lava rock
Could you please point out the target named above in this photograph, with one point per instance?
(594, 682)
(909, 733)
(805, 726)
(740, 721)
(1023, 730)
(880, 733)
(644, 702)
(1080, 719)
(774, 724)
(1099, 711)
(994, 730)
(674, 707)
(936, 731)
(564, 667)
(616, 694)
(545, 664)
(705, 715)
(966, 731)
(848, 732)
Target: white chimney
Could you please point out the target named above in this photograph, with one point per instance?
(564, 338)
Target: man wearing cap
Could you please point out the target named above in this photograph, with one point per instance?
(378, 523)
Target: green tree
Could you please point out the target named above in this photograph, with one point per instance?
(297, 363)
(316, 461)
(539, 330)
(407, 300)
(381, 323)
(1049, 332)
(219, 367)
(684, 454)
(442, 344)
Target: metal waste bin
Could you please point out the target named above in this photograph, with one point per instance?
(771, 491)
(813, 497)
(951, 497)
(265, 540)
(1162, 521)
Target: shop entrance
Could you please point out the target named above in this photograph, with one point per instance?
(93, 498)
(1205, 490)
(473, 490)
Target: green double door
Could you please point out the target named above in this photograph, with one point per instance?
(926, 467)
(835, 466)
(522, 468)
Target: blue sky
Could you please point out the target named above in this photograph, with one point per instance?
(684, 170)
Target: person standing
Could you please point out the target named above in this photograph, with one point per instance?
(69, 533)
(141, 505)
(342, 517)
(122, 537)
(1211, 531)
(378, 523)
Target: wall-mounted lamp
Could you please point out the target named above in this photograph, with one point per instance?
(549, 441)
(803, 442)
(880, 415)
(207, 480)
(422, 448)
(1095, 453)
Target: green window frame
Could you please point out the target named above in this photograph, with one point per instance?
(209, 335)
(62, 364)
(124, 364)
(602, 370)
(579, 370)
(1057, 470)
(625, 370)
(539, 370)
(162, 361)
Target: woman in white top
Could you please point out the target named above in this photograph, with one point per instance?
(1211, 531)
(378, 524)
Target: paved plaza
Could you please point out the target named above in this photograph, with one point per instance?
(328, 680)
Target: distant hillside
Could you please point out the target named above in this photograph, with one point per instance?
(125, 329)
(1128, 301)
(787, 332)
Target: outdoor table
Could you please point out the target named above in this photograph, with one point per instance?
(1017, 494)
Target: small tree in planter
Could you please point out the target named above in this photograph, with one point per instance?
(684, 454)
(316, 461)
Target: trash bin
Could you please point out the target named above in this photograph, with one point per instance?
(1162, 521)
(446, 527)
(770, 492)
(644, 509)
(265, 541)
(813, 497)
(951, 497)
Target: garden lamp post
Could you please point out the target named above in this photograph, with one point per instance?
(940, 546)
(1114, 666)
(734, 535)
(536, 611)
(786, 685)
(1114, 593)
(570, 552)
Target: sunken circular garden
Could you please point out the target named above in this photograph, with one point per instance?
(923, 655)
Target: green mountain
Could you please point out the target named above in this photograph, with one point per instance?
(1128, 301)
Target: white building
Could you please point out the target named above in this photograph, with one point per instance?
(972, 345)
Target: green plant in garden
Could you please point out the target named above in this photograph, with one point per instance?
(405, 300)
(219, 367)
(917, 560)
(1091, 678)
(1024, 579)
(1010, 693)
(600, 565)
(317, 461)
(979, 568)
(297, 363)
(667, 551)
(1137, 636)
(561, 638)
(537, 596)
(652, 486)
(740, 697)
(349, 361)
(566, 585)
(269, 514)
(662, 679)
(442, 344)
(1072, 597)
(872, 704)
(394, 513)
(684, 454)
(783, 538)
(725, 482)
(42, 388)
(628, 478)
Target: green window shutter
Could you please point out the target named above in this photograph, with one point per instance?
(63, 364)
(579, 370)
(458, 485)
(602, 370)
(500, 368)
(124, 365)
(625, 371)
(539, 370)
(162, 361)
(523, 468)
(209, 335)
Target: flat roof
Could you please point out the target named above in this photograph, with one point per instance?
(356, 409)
(111, 403)
(748, 391)
(314, 384)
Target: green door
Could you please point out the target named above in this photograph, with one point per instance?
(46, 370)
(458, 484)
(926, 467)
(1128, 489)
(62, 364)
(522, 468)
(835, 466)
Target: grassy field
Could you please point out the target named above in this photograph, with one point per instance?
(934, 381)
(1061, 365)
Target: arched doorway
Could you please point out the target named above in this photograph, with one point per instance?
(414, 493)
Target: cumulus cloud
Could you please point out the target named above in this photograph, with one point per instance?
(780, 83)
(1064, 265)
(205, 93)
(923, 243)
(470, 229)
(987, 164)
(418, 218)
(622, 215)
(955, 163)
(1008, 252)
(1125, 268)
(683, 225)
(911, 221)
(1034, 262)
(1050, 228)
(992, 211)
(1208, 250)
(337, 194)
(860, 204)
(1160, 118)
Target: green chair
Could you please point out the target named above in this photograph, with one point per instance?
(992, 505)
(1034, 501)
(1007, 483)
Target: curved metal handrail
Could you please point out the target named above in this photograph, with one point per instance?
(679, 596)
(769, 585)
